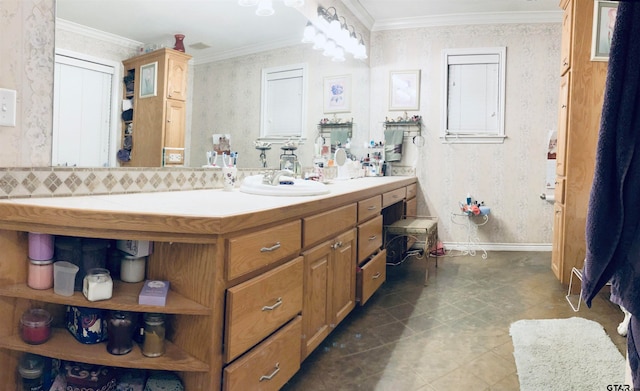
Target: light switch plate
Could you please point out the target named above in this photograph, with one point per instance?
(7, 107)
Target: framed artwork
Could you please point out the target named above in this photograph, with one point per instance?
(149, 80)
(337, 94)
(604, 19)
(404, 90)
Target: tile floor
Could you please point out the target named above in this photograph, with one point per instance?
(452, 334)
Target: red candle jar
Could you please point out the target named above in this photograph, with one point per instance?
(35, 326)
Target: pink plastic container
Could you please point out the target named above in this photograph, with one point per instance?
(40, 246)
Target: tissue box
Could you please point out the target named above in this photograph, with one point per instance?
(138, 248)
(154, 292)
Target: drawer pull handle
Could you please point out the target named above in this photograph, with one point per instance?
(336, 245)
(272, 248)
(269, 377)
(372, 237)
(371, 208)
(376, 276)
(274, 306)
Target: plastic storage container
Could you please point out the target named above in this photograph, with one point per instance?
(83, 252)
(40, 275)
(35, 326)
(64, 275)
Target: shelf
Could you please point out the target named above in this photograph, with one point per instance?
(64, 346)
(125, 298)
(337, 125)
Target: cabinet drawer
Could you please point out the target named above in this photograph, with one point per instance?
(269, 365)
(411, 207)
(369, 238)
(251, 252)
(369, 208)
(325, 225)
(371, 276)
(412, 191)
(391, 197)
(261, 305)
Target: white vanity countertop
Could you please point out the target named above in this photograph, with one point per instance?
(200, 203)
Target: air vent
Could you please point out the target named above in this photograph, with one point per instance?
(199, 46)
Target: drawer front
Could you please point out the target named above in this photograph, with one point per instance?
(251, 252)
(391, 197)
(369, 208)
(412, 191)
(325, 225)
(371, 276)
(369, 238)
(269, 365)
(411, 207)
(258, 307)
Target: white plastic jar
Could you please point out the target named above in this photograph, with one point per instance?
(97, 284)
(132, 268)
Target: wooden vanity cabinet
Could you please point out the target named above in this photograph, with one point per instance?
(159, 118)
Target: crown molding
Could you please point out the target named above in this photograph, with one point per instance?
(210, 55)
(468, 19)
(360, 13)
(71, 27)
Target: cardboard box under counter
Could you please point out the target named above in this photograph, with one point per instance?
(154, 292)
(138, 248)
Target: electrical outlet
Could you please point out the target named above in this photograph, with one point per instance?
(175, 158)
(7, 107)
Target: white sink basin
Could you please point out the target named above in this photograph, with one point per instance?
(253, 185)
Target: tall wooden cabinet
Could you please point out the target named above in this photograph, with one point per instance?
(157, 130)
(580, 101)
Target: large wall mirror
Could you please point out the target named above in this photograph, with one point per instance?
(240, 32)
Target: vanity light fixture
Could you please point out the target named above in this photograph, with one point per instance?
(265, 7)
(331, 34)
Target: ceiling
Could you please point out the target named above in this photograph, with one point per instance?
(217, 29)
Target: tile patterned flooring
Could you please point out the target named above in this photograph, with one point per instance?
(452, 334)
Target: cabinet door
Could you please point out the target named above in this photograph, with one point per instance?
(558, 242)
(343, 271)
(175, 124)
(563, 118)
(316, 313)
(565, 48)
(177, 79)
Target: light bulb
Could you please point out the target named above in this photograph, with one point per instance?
(294, 3)
(329, 48)
(338, 55)
(309, 33)
(319, 41)
(247, 3)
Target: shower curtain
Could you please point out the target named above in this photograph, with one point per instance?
(613, 217)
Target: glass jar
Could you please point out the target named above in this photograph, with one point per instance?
(31, 368)
(132, 268)
(40, 275)
(120, 328)
(154, 334)
(97, 284)
(35, 326)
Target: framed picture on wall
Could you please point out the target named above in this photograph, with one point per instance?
(604, 19)
(404, 90)
(337, 94)
(149, 80)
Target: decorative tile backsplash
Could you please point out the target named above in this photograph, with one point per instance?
(69, 181)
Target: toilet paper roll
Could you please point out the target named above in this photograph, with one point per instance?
(548, 197)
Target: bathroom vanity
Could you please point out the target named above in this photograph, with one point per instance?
(257, 282)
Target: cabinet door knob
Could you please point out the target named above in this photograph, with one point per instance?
(371, 208)
(336, 245)
(372, 237)
(275, 305)
(376, 276)
(272, 248)
(269, 377)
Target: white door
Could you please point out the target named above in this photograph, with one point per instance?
(82, 113)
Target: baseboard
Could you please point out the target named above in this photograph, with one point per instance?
(499, 246)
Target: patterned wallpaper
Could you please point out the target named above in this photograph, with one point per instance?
(509, 177)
